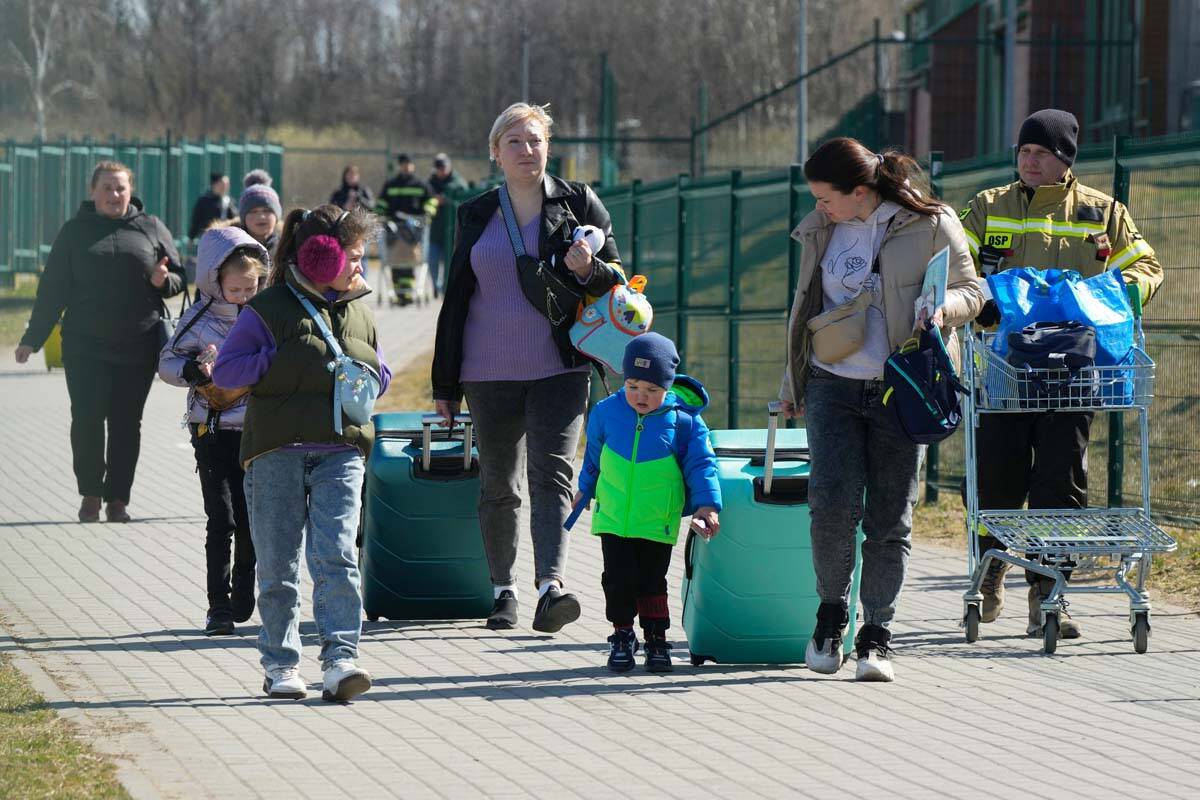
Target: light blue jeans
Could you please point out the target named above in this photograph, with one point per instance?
(289, 491)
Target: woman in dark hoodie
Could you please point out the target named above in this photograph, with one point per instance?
(107, 275)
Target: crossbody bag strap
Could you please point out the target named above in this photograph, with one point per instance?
(317, 318)
(510, 222)
(191, 322)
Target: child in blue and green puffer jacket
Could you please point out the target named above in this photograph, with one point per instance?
(648, 462)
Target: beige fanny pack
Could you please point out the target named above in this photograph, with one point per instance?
(841, 331)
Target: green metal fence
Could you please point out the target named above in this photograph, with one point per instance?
(722, 272)
(43, 183)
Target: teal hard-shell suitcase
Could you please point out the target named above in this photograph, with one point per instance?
(750, 593)
(422, 554)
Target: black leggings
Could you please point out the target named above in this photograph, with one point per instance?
(635, 582)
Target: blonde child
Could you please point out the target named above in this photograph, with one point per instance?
(230, 267)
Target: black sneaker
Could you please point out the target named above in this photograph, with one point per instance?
(504, 612)
(824, 651)
(218, 623)
(871, 647)
(658, 656)
(555, 609)
(242, 598)
(624, 644)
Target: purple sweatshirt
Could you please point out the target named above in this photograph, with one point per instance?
(505, 338)
(249, 349)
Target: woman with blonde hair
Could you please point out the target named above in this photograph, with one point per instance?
(109, 270)
(503, 342)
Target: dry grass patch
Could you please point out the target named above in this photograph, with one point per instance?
(40, 752)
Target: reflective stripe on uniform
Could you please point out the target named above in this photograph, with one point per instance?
(1074, 230)
(405, 191)
(1128, 255)
(972, 242)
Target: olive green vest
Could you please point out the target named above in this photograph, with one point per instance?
(293, 401)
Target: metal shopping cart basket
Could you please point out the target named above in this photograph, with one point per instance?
(407, 239)
(1122, 540)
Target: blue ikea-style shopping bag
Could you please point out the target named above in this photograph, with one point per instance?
(1026, 295)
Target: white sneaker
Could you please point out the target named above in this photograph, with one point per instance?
(344, 681)
(873, 664)
(826, 658)
(285, 682)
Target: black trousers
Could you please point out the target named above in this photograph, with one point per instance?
(221, 482)
(113, 395)
(1036, 458)
(635, 582)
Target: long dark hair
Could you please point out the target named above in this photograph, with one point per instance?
(359, 225)
(846, 163)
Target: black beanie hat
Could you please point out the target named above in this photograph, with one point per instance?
(1055, 130)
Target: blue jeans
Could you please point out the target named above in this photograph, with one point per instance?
(288, 491)
(855, 446)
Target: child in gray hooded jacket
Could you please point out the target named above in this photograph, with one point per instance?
(231, 267)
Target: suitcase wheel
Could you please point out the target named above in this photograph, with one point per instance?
(372, 617)
(698, 660)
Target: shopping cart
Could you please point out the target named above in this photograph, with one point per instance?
(1120, 540)
(407, 237)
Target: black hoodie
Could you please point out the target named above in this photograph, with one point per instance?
(99, 271)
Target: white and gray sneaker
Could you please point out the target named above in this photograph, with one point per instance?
(285, 682)
(871, 647)
(824, 651)
(344, 681)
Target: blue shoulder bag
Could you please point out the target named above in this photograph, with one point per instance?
(355, 383)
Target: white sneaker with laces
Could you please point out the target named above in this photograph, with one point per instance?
(285, 682)
(874, 666)
(344, 681)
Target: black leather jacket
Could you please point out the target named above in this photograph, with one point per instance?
(567, 204)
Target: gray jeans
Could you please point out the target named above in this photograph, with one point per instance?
(535, 424)
(854, 447)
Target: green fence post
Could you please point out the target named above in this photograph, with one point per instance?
(1116, 420)
(731, 298)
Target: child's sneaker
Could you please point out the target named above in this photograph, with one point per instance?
(872, 649)
(658, 656)
(624, 644)
(285, 682)
(218, 623)
(344, 681)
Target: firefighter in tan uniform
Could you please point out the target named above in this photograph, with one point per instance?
(1046, 219)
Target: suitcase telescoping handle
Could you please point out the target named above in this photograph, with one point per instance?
(774, 408)
(427, 423)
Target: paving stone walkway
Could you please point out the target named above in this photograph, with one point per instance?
(105, 618)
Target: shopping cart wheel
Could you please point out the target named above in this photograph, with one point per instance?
(1050, 633)
(1141, 631)
(972, 622)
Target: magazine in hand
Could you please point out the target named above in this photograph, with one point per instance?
(933, 291)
